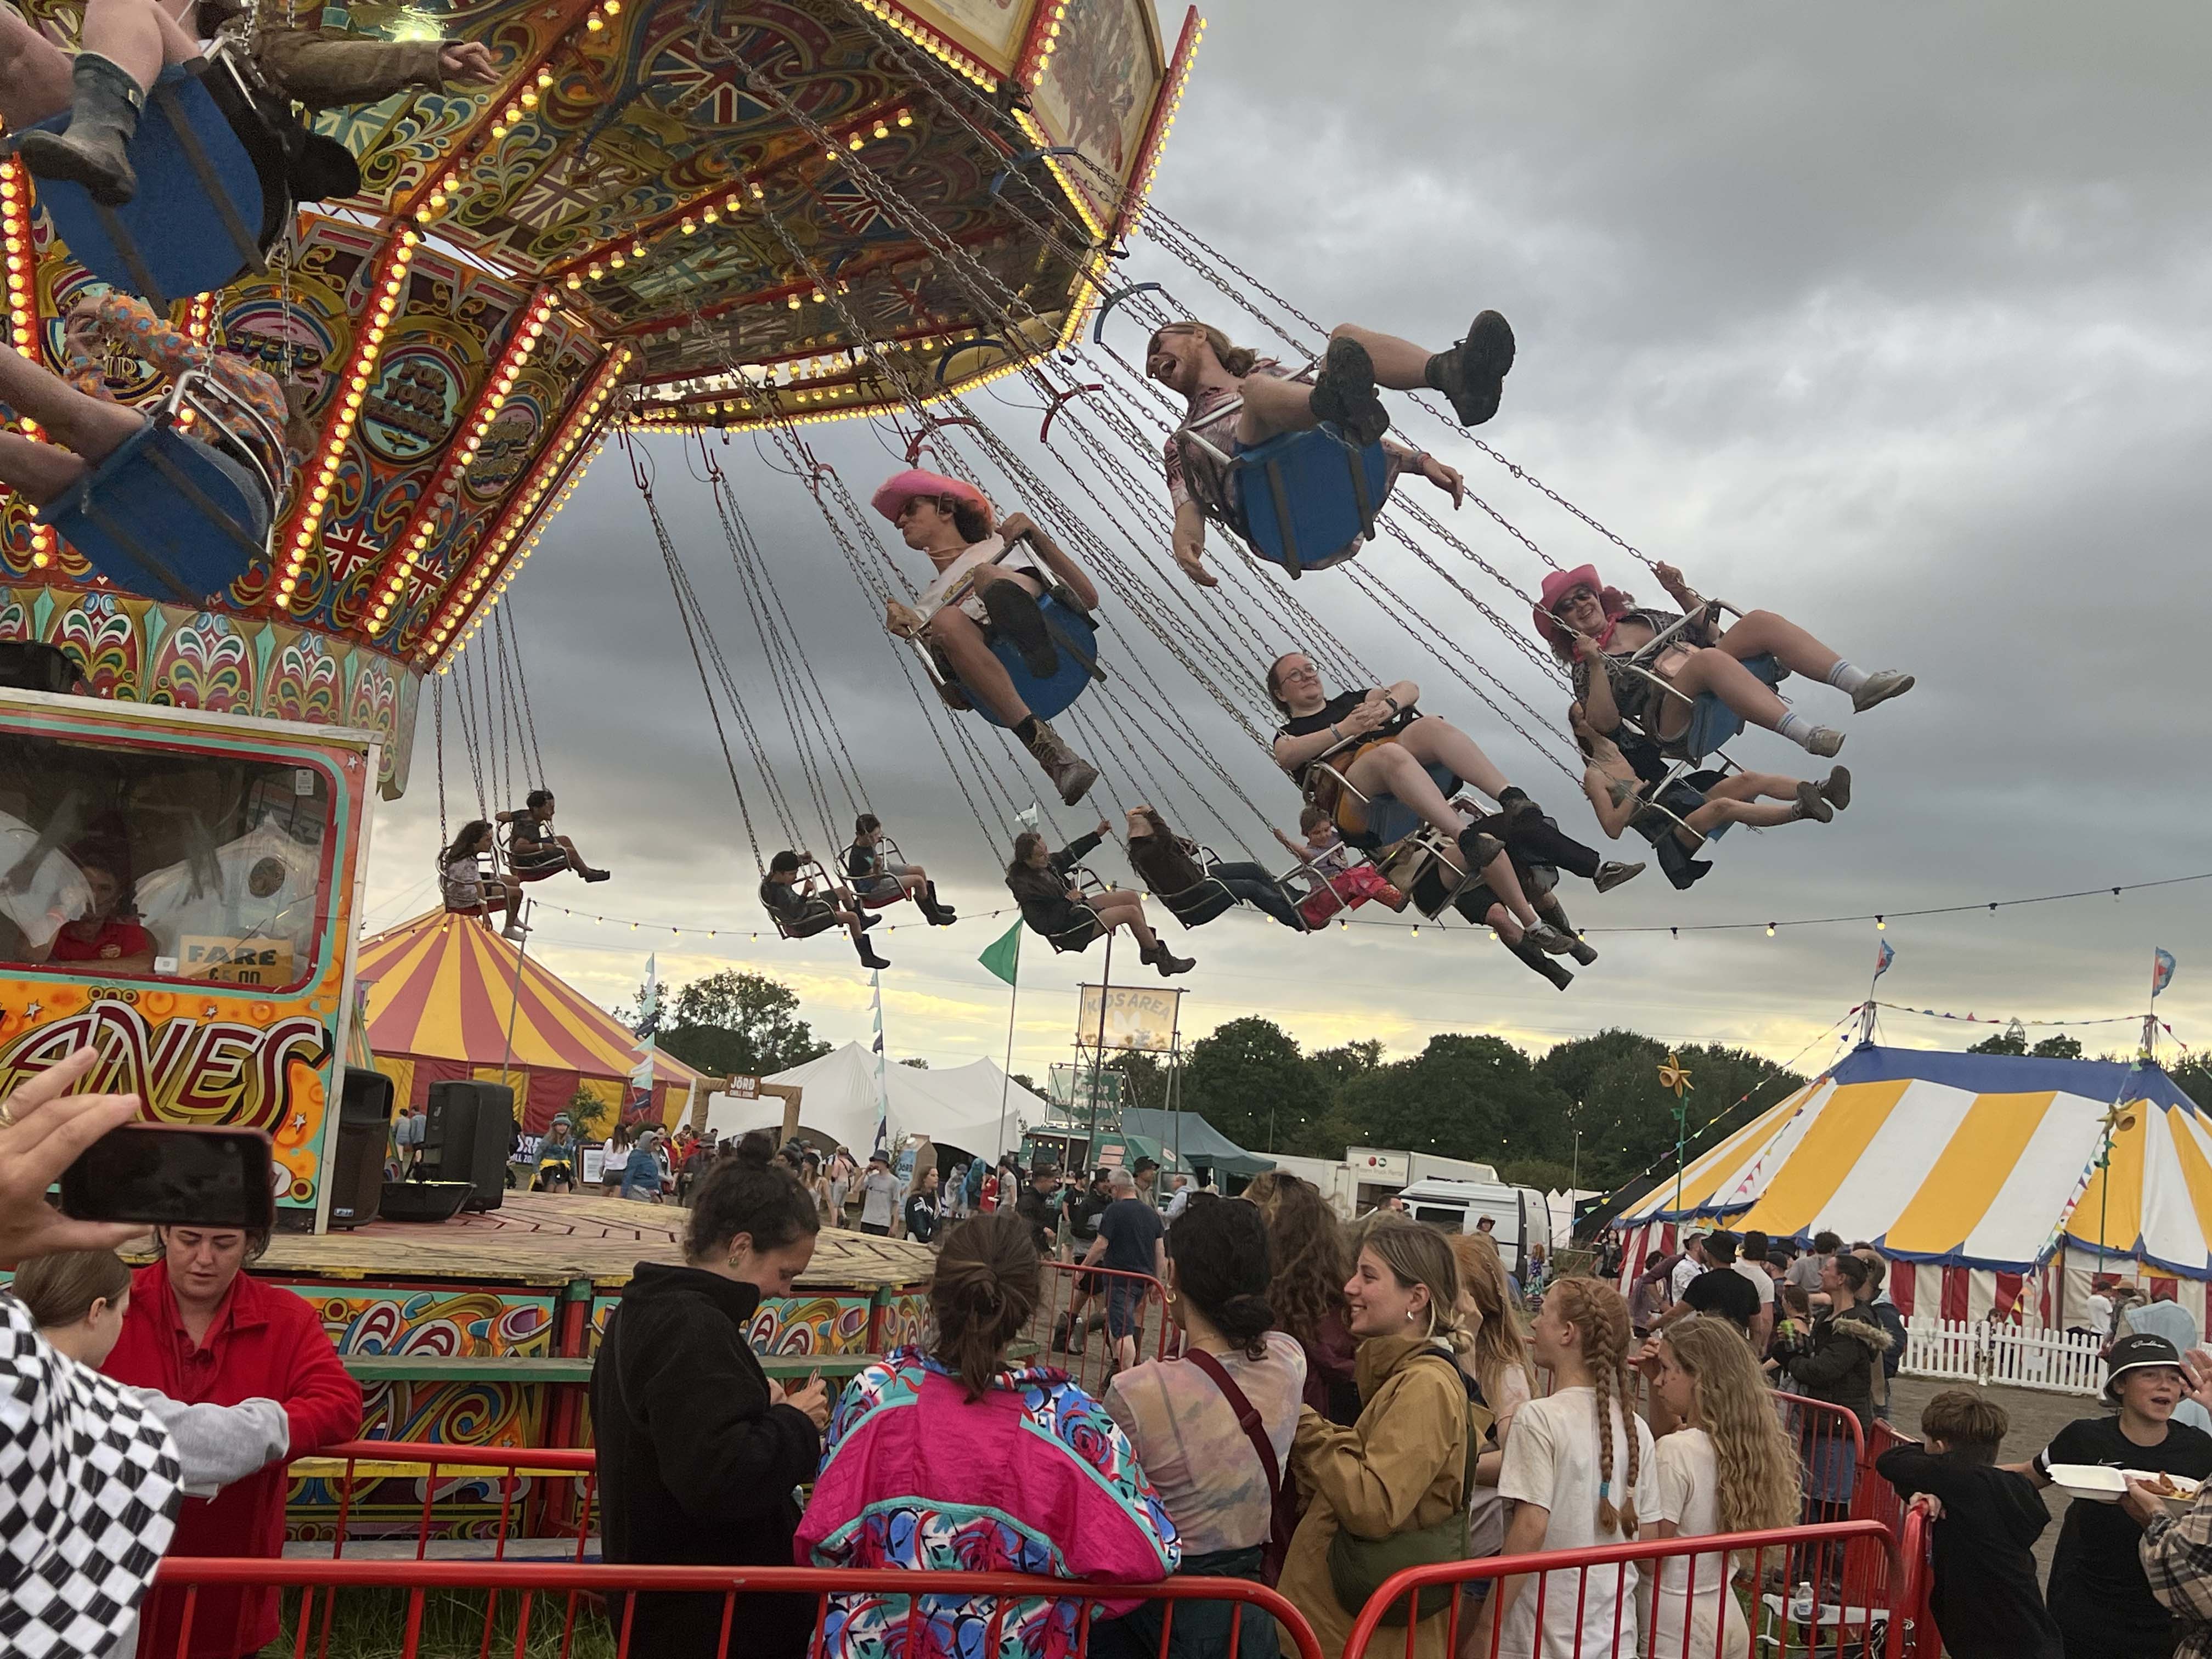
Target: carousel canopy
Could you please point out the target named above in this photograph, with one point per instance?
(442, 993)
(1967, 1160)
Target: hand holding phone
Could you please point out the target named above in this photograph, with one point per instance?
(43, 1127)
(172, 1174)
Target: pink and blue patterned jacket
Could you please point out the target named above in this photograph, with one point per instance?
(1046, 1483)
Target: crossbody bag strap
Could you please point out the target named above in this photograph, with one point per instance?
(1248, 1418)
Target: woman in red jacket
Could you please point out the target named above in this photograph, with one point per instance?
(201, 1330)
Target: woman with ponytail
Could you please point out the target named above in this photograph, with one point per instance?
(1390, 1492)
(1730, 1467)
(949, 1457)
(1578, 1468)
(698, 1449)
(1213, 1430)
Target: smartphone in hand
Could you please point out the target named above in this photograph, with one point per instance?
(173, 1175)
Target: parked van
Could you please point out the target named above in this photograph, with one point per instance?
(1517, 1215)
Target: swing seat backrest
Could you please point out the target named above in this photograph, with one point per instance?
(211, 197)
(1077, 636)
(1199, 903)
(162, 517)
(1306, 501)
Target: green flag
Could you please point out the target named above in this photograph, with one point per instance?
(1003, 955)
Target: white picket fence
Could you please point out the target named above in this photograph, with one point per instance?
(1976, 1350)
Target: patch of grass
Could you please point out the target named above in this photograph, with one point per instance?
(370, 1622)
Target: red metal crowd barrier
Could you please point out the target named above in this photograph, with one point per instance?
(1797, 1608)
(1911, 1621)
(1102, 1300)
(544, 1495)
(413, 1600)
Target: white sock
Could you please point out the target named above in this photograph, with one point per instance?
(1847, 677)
(1799, 730)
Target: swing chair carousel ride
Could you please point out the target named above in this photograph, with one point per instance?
(658, 214)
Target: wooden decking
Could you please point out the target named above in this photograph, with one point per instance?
(555, 1239)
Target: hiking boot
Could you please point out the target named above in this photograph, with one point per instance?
(1344, 394)
(1812, 804)
(1837, 789)
(1612, 872)
(1582, 950)
(1826, 742)
(1473, 372)
(869, 959)
(92, 150)
(1014, 612)
(1537, 961)
(1070, 773)
(596, 875)
(1478, 849)
(1168, 964)
(1549, 939)
(1879, 688)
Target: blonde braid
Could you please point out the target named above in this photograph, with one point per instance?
(1596, 1309)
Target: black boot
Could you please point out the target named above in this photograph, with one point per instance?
(1473, 372)
(1543, 965)
(1158, 956)
(1013, 610)
(91, 150)
(1344, 394)
(937, 915)
(869, 959)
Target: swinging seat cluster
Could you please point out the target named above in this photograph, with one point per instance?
(818, 894)
(1712, 722)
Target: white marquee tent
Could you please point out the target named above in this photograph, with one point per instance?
(961, 1106)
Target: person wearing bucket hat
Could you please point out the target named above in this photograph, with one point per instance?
(1599, 630)
(989, 579)
(2098, 1591)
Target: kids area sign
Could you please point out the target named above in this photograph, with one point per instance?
(1133, 1016)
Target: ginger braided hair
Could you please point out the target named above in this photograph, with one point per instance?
(1597, 1312)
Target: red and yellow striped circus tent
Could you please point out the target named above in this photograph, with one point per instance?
(449, 998)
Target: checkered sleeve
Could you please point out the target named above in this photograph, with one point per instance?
(88, 1498)
(2177, 1558)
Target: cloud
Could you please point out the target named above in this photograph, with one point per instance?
(1887, 317)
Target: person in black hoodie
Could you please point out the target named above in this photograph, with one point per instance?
(1043, 884)
(698, 1451)
(1987, 1603)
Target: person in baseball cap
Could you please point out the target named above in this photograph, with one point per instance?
(990, 575)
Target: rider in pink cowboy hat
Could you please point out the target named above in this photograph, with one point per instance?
(989, 577)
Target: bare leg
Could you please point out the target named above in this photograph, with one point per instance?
(1392, 769)
(1722, 673)
(36, 471)
(1761, 815)
(1753, 785)
(1507, 925)
(128, 33)
(985, 676)
(1757, 633)
(91, 426)
(1273, 407)
(575, 858)
(1123, 909)
(1497, 875)
(1431, 739)
(34, 72)
(1399, 365)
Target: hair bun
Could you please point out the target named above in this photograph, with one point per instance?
(757, 1150)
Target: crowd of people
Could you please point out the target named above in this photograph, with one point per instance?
(1349, 1399)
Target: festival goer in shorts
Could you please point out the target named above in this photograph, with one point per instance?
(698, 1449)
(872, 877)
(1578, 1470)
(1200, 364)
(203, 1331)
(1305, 1241)
(534, 851)
(1213, 1431)
(953, 1454)
(1599, 630)
(1729, 1467)
(1131, 1241)
(988, 584)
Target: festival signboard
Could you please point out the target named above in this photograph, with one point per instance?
(178, 890)
(1127, 1017)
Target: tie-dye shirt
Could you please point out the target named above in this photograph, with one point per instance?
(1033, 1478)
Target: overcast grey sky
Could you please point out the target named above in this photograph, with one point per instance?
(1891, 318)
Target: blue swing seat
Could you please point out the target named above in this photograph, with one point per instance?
(1712, 722)
(1306, 501)
(164, 516)
(208, 203)
(1077, 636)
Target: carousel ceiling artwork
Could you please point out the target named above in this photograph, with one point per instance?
(667, 213)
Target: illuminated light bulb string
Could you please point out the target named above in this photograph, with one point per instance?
(1880, 919)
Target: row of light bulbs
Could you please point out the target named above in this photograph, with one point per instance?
(22, 306)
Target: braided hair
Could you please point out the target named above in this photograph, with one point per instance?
(1597, 1312)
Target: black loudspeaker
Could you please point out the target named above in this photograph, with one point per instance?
(25, 665)
(466, 1138)
(364, 1130)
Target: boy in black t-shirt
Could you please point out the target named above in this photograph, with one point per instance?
(2098, 1595)
(1986, 1601)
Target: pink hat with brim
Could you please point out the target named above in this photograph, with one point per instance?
(894, 492)
(1562, 582)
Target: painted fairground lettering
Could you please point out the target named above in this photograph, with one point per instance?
(210, 1072)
